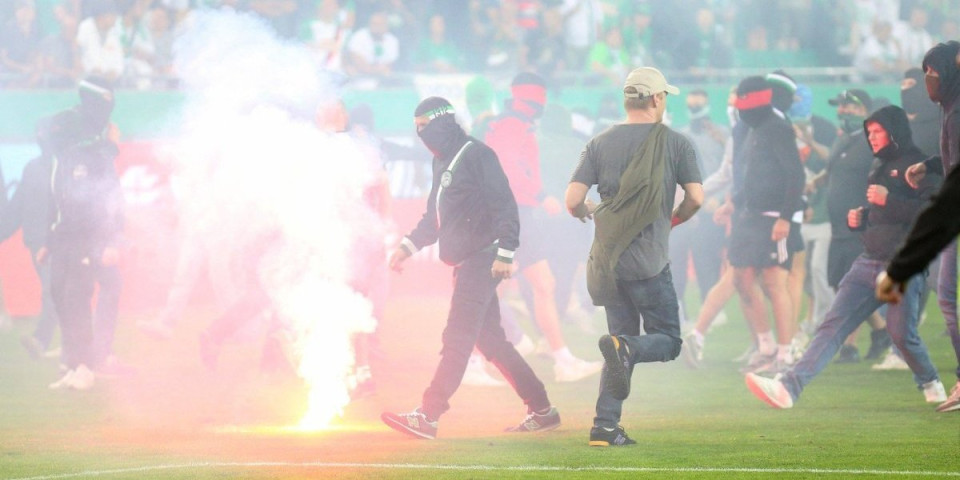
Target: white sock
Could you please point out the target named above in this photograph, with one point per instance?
(766, 344)
(783, 352)
(563, 355)
(698, 338)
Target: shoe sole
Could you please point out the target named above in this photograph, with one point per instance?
(599, 443)
(402, 428)
(950, 408)
(760, 394)
(617, 382)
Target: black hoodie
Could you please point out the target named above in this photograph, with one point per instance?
(943, 59)
(887, 225)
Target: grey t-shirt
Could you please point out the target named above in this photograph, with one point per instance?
(603, 162)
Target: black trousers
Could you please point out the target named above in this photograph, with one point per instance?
(73, 274)
(474, 319)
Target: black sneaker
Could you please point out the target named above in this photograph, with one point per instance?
(414, 424)
(879, 343)
(613, 437)
(616, 374)
(848, 354)
(535, 422)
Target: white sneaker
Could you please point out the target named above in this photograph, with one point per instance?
(770, 390)
(934, 392)
(692, 350)
(476, 374)
(719, 320)
(891, 362)
(63, 383)
(525, 346)
(543, 348)
(953, 401)
(82, 379)
(574, 370)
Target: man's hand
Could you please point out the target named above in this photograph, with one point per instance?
(586, 211)
(855, 217)
(888, 290)
(552, 205)
(915, 174)
(110, 257)
(501, 270)
(877, 195)
(781, 228)
(397, 257)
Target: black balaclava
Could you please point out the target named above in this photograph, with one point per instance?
(894, 120)
(442, 135)
(784, 87)
(754, 100)
(942, 58)
(96, 104)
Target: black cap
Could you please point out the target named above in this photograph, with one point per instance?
(853, 95)
(434, 107)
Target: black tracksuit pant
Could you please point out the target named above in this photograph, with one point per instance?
(474, 319)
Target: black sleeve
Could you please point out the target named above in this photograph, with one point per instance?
(11, 218)
(426, 231)
(787, 156)
(904, 209)
(499, 200)
(934, 229)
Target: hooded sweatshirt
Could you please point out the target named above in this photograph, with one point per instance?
(886, 226)
(943, 59)
(925, 124)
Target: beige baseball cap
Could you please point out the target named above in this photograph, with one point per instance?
(647, 81)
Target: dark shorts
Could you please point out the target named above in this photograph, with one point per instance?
(534, 238)
(843, 251)
(750, 244)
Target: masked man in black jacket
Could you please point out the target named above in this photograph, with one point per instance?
(472, 213)
(892, 206)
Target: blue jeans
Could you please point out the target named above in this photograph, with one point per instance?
(855, 302)
(656, 301)
(947, 295)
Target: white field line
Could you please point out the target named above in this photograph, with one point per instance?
(486, 468)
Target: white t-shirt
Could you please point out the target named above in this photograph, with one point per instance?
(582, 25)
(382, 52)
(100, 55)
(914, 42)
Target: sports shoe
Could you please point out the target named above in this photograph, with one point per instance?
(848, 354)
(934, 392)
(891, 362)
(609, 437)
(692, 350)
(574, 370)
(770, 390)
(745, 356)
(82, 379)
(156, 330)
(953, 401)
(476, 374)
(63, 383)
(414, 424)
(759, 361)
(616, 356)
(879, 342)
(776, 366)
(535, 422)
(525, 346)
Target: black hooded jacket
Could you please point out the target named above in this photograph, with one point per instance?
(886, 226)
(943, 59)
(773, 175)
(476, 206)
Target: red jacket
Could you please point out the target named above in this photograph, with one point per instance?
(512, 137)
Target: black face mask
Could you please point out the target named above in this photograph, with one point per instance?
(96, 115)
(851, 122)
(441, 135)
(755, 116)
(913, 100)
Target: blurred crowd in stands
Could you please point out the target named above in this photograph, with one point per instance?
(52, 43)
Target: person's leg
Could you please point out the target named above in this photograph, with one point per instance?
(493, 344)
(774, 283)
(947, 296)
(708, 255)
(48, 311)
(902, 320)
(717, 297)
(473, 290)
(105, 316)
(794, 288)
(854, 302)
(72, 287)
(543, 284)
(622, 320)
(656, 302)
(823, 294)
(754, 310)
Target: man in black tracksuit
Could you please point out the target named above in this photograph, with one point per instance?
(471, 211)
(892, 206)
(86, 223)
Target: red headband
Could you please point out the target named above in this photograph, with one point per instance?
(530, 93)
(760, 98)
